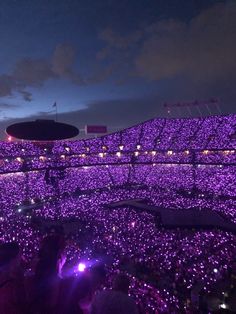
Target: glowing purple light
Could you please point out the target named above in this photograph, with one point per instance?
(91, 182)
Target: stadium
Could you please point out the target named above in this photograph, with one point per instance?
(157, 200)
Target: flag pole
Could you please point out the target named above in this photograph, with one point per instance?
(56, 112)
(55, 106)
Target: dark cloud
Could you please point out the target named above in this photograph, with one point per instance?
(63, 59)
(29, 72)
(27, 96)
(118, 51)
(194, 60)
(7, 106)
(203, 50)
(115, 40)
(32, 72)
(7, 84)
(100, 74)
(104, 53)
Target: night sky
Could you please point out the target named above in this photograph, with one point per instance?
(114, 62)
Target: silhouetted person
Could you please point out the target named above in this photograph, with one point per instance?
(12, 292)
(75, 295)
(115, 301)
(46, 282)
(98, 276)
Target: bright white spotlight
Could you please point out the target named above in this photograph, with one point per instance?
(81, 267)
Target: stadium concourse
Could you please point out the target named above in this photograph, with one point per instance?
(89, 189)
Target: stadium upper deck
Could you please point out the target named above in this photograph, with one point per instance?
(210, 140)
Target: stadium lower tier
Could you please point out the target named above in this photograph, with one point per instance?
(168, 186)
(165, 264)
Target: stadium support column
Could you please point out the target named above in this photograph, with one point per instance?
(194, 166)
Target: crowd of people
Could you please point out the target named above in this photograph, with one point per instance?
(201, 140)
(47, 291)
(166, 263)
(169, 163)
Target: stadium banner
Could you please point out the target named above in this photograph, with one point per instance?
(95, 129)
